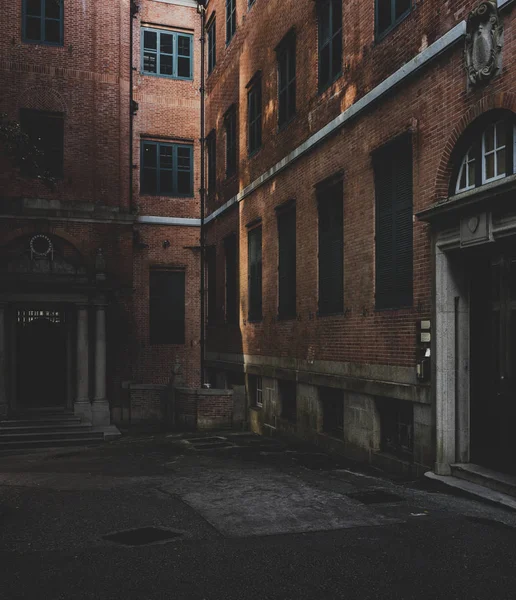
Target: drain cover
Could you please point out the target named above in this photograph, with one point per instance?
(141, 536)
(375, 497)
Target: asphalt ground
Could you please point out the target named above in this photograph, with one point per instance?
(244, 517)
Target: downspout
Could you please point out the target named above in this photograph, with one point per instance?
(201, 8)
(132, 105)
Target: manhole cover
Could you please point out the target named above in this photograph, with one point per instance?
(375, 497)
(141, 536)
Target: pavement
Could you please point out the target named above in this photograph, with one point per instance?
(236, 516)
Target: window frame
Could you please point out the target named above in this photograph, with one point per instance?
(321, 44)
(175, 146)
(42, 18)
(231, 142)
(254, 120)
(211, 34)
(255, 294)
(394, 21)
(175, 53)
(231, 20)
(287, 49)
(166, 341)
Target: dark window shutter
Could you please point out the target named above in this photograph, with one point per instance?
(230, 247)
(255, 273)
(394, 229)
(287, 263)
(167, 307)
(331, 242)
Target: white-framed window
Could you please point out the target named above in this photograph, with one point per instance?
(490, 156)
(259, 392)
(494, 152)
(466, 178)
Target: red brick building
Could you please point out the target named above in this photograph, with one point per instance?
(364, 199)
(99, 287)
(359, 230)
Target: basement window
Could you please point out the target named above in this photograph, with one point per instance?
(255, 386)
(396, 426)
(288, 398)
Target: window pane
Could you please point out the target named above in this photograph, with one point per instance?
(324, 66)
(500, 135)
(183, 67)
(500, 162)
(384, 14)
(337, 16)
(150, 40)
(336, 65)
(33, 29)
(148, 183)
(324, 23)
(489, 138)
(463, 172)
(183, 158)
(149, 155)
(489, 159)
(165, 157)
(184, 182)
(165, 65)
(52, 31)
(165, 182)
(401, 7)
(183, 45)
(34, 7)
(471, 173)
(149, 62)
(291, 100)
(53, 9)
(166, 43)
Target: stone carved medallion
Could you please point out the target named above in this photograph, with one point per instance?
(473, 224)
(484, 38)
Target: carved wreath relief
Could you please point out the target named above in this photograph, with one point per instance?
(484, 38)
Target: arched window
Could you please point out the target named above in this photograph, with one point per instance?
(489, 156)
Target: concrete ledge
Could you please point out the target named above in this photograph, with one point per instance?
(478, 491)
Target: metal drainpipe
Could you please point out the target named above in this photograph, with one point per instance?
(202, 11)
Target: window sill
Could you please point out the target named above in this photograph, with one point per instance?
(40, 43)
(169, 77)
(321, 91)
(167, 196)
(394, 308)
(254, 152)
(285, 125)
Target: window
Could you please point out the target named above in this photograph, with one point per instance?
(167, 53)
(231, 268)
(331, 241)
(332, 401)
(43, 21)
(254, 269)
(255, 390)
(167, 169)
(330, 42)
(46, 132)
(230, 20)
(212, 46)
(490, 157)
(389, 13)
(396, 426)
(211, 146)
(231, 141)
(254, 114)
(211, 264)
(287, 395)
(287, 263)
(167, 307)
(393, 184)
(286, 79)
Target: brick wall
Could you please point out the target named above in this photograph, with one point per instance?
(203, 408)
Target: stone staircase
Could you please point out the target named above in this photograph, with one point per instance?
(47, 430)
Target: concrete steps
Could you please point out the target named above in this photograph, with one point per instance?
(500, 482)
(47, 429)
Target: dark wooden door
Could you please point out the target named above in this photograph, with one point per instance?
(41, 359)
(493, 361)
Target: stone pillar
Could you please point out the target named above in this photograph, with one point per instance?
(4, 405)
(100, 406)
(82, 405)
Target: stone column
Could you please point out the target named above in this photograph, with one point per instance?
(82, 405)
(100, 406)
(4, 405)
